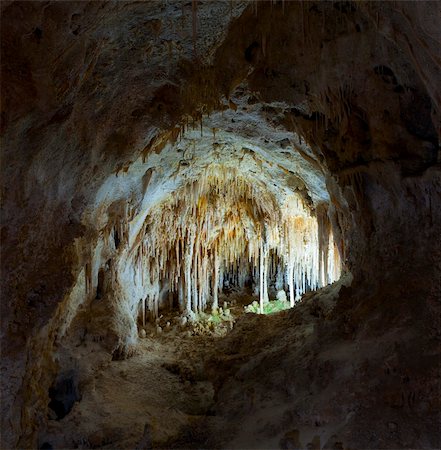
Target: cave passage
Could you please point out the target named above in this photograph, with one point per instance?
(176, 171)
(225, 229)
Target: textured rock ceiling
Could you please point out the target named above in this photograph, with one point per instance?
(109, 107)
(245, 139)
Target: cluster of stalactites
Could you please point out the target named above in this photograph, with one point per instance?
(225, 228)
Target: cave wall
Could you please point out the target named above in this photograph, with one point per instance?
(88, 88)
(354, 96)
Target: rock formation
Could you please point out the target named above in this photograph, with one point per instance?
(133, 130)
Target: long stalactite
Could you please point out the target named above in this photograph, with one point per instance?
(225, 228)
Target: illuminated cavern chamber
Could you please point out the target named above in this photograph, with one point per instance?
(225, 228)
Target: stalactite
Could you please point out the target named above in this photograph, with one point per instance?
(194, 11)
(324, 229)
(215, 280)
(226, 228)
(88, 278)
(261, 275)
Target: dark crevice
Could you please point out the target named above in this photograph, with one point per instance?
(386, 74)
(116, 238)
(251, 52)
(64, 393)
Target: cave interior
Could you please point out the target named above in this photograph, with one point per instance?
(221, 224)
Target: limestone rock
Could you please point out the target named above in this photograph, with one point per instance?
(281, 296)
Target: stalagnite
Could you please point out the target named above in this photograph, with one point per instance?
(225, 227)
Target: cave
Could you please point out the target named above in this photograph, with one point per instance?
(220, 224)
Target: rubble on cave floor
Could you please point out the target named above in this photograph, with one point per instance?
(242, 389)
(163, 385)
(159, 392)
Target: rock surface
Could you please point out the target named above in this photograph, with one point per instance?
(109, 107)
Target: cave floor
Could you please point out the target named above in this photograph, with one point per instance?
(296, 379)
(163, 385)
(163, 395)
